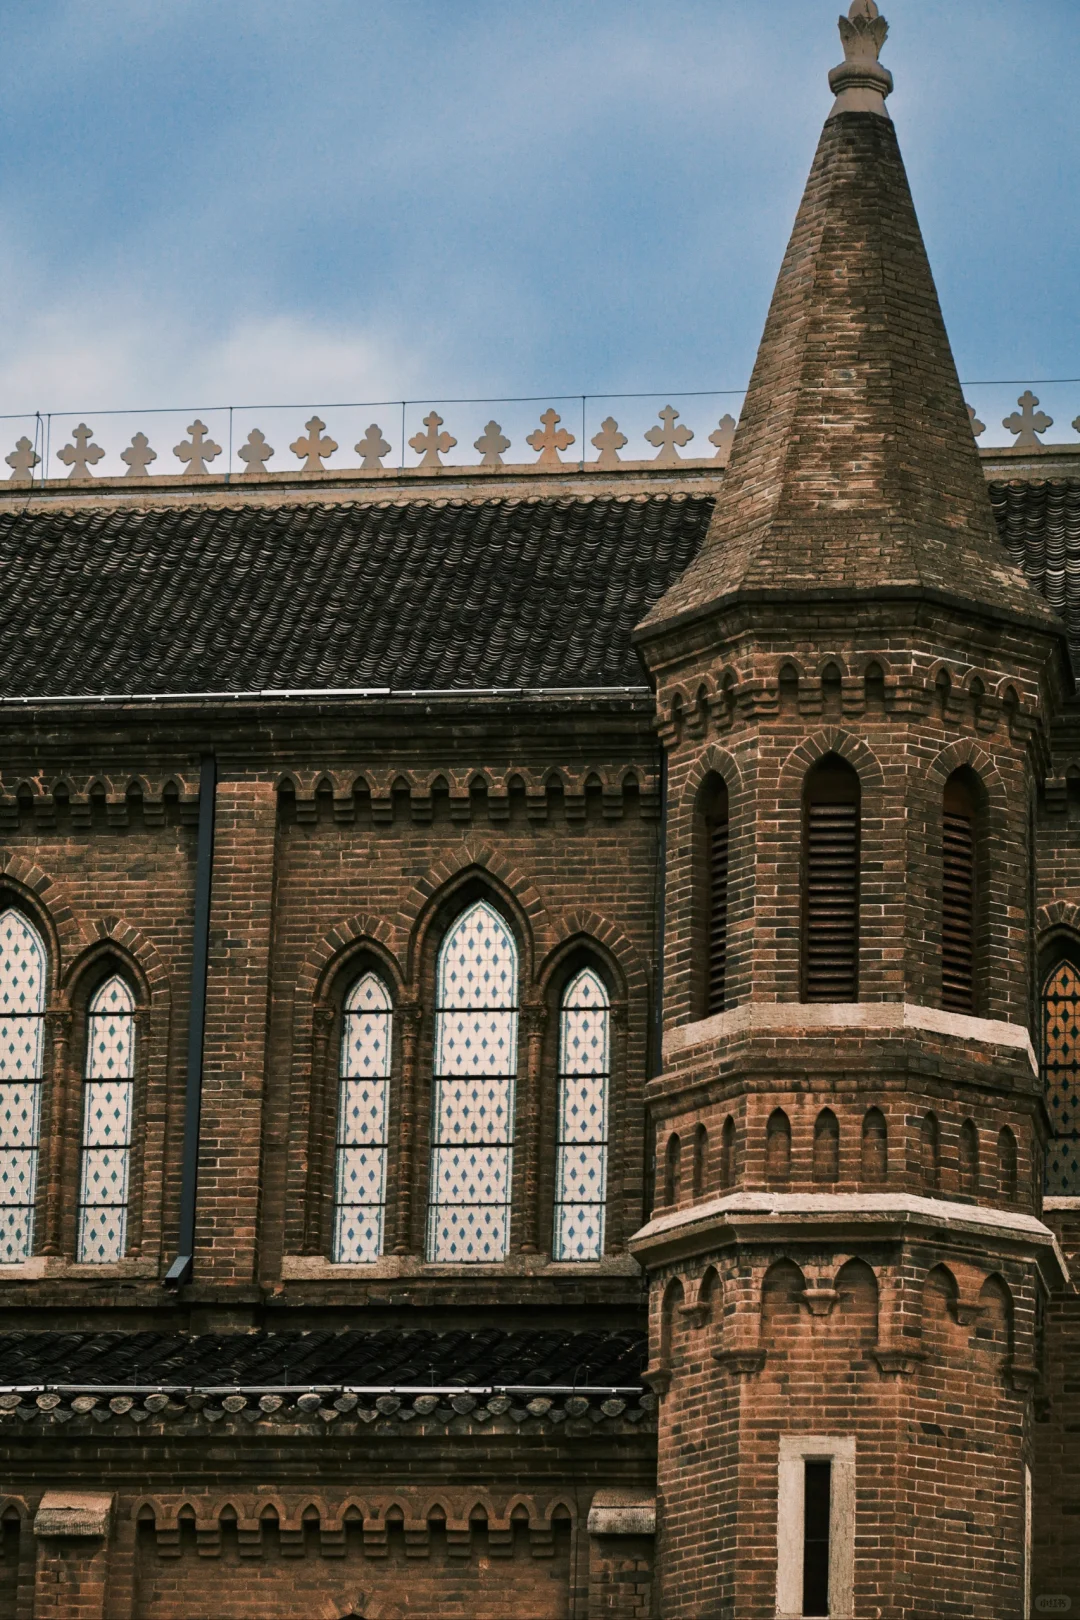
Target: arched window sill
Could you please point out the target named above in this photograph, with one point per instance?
(315, 1267)
(51, 1266)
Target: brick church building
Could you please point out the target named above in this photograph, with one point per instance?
(540, 1004)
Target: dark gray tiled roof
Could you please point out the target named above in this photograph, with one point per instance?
(1040, 525)
(388, 1358)
(540, 592)
(421, 594)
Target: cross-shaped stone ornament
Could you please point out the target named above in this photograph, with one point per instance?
(22, 460)
(977, 427)
(81, 455)
(609, 441)
(549, 439)
(312, 449)
(723, 436)
(431, 445)
(255, 453)
(668, 438)
(138, 456)
(491, 444)
(197, 450)
(372, 448)
(1027, 422)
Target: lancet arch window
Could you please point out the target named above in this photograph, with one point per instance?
(362, 1122)
(1061, 1075)
(108, 1098)
(712, 901)
(961, 892)
(581, 1149)
(831, 813)
(474, 1089)
(23, 984)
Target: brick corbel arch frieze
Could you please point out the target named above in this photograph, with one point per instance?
(471, 854)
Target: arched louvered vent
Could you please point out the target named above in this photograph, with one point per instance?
(716, 833)
(958, 897)
(831, 883)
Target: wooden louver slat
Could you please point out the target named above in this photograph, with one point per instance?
(958, 914)
(832, 902)
(717, 934)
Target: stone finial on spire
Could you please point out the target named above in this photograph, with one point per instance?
(860, 83)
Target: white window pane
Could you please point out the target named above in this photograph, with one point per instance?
(585, 1040)
(474, 1111)
(18, 1176)
(583, 1108)
(16, 1235)
(358, 1234)
(579, 1232)
(365, 1044)
(102, 1235)
(20, 1109)
(362, 1120)
(478, 961)
(105, 1176)
(472, 1175)
(110, 1046)
(361, 1176)
(469, 1236)
(474, 1042)
(22, 966)
(107, 1113)
(113, 998)
(581, 1174)
(22, 1046)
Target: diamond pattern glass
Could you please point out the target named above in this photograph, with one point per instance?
(1061, 1077)
(108, 1101)
(360, 1184)
(22, 1046)
(476, 1029)
(581, 1145)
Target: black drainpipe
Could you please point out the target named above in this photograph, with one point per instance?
(656, 1042)
(180, 1270)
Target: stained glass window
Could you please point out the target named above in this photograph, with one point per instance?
(22, 1046)
(1061, 1078)
(108, 1100)
(472, 1125)
(363, 1108)
(582, 1144)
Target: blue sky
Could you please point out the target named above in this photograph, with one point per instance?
(217, 200)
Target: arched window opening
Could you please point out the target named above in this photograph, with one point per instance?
(874, 688)
(831, 882)
(581, 1148)
(959, 892)
(473, 1102)
(672, 1170)
(1007, 1164)
(701, 1158)
(826, 1165)
(969, 1159)
(929, 1153)
(23, 975)
(727, 1153)
(1061, 1077)
(362, 1122)
(875, 1146)
(778, 1146)
(108, 1106)
(715, 828)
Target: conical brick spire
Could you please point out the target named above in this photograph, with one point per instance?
(853, 468)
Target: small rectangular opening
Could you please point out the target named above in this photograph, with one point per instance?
(817, 1512)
